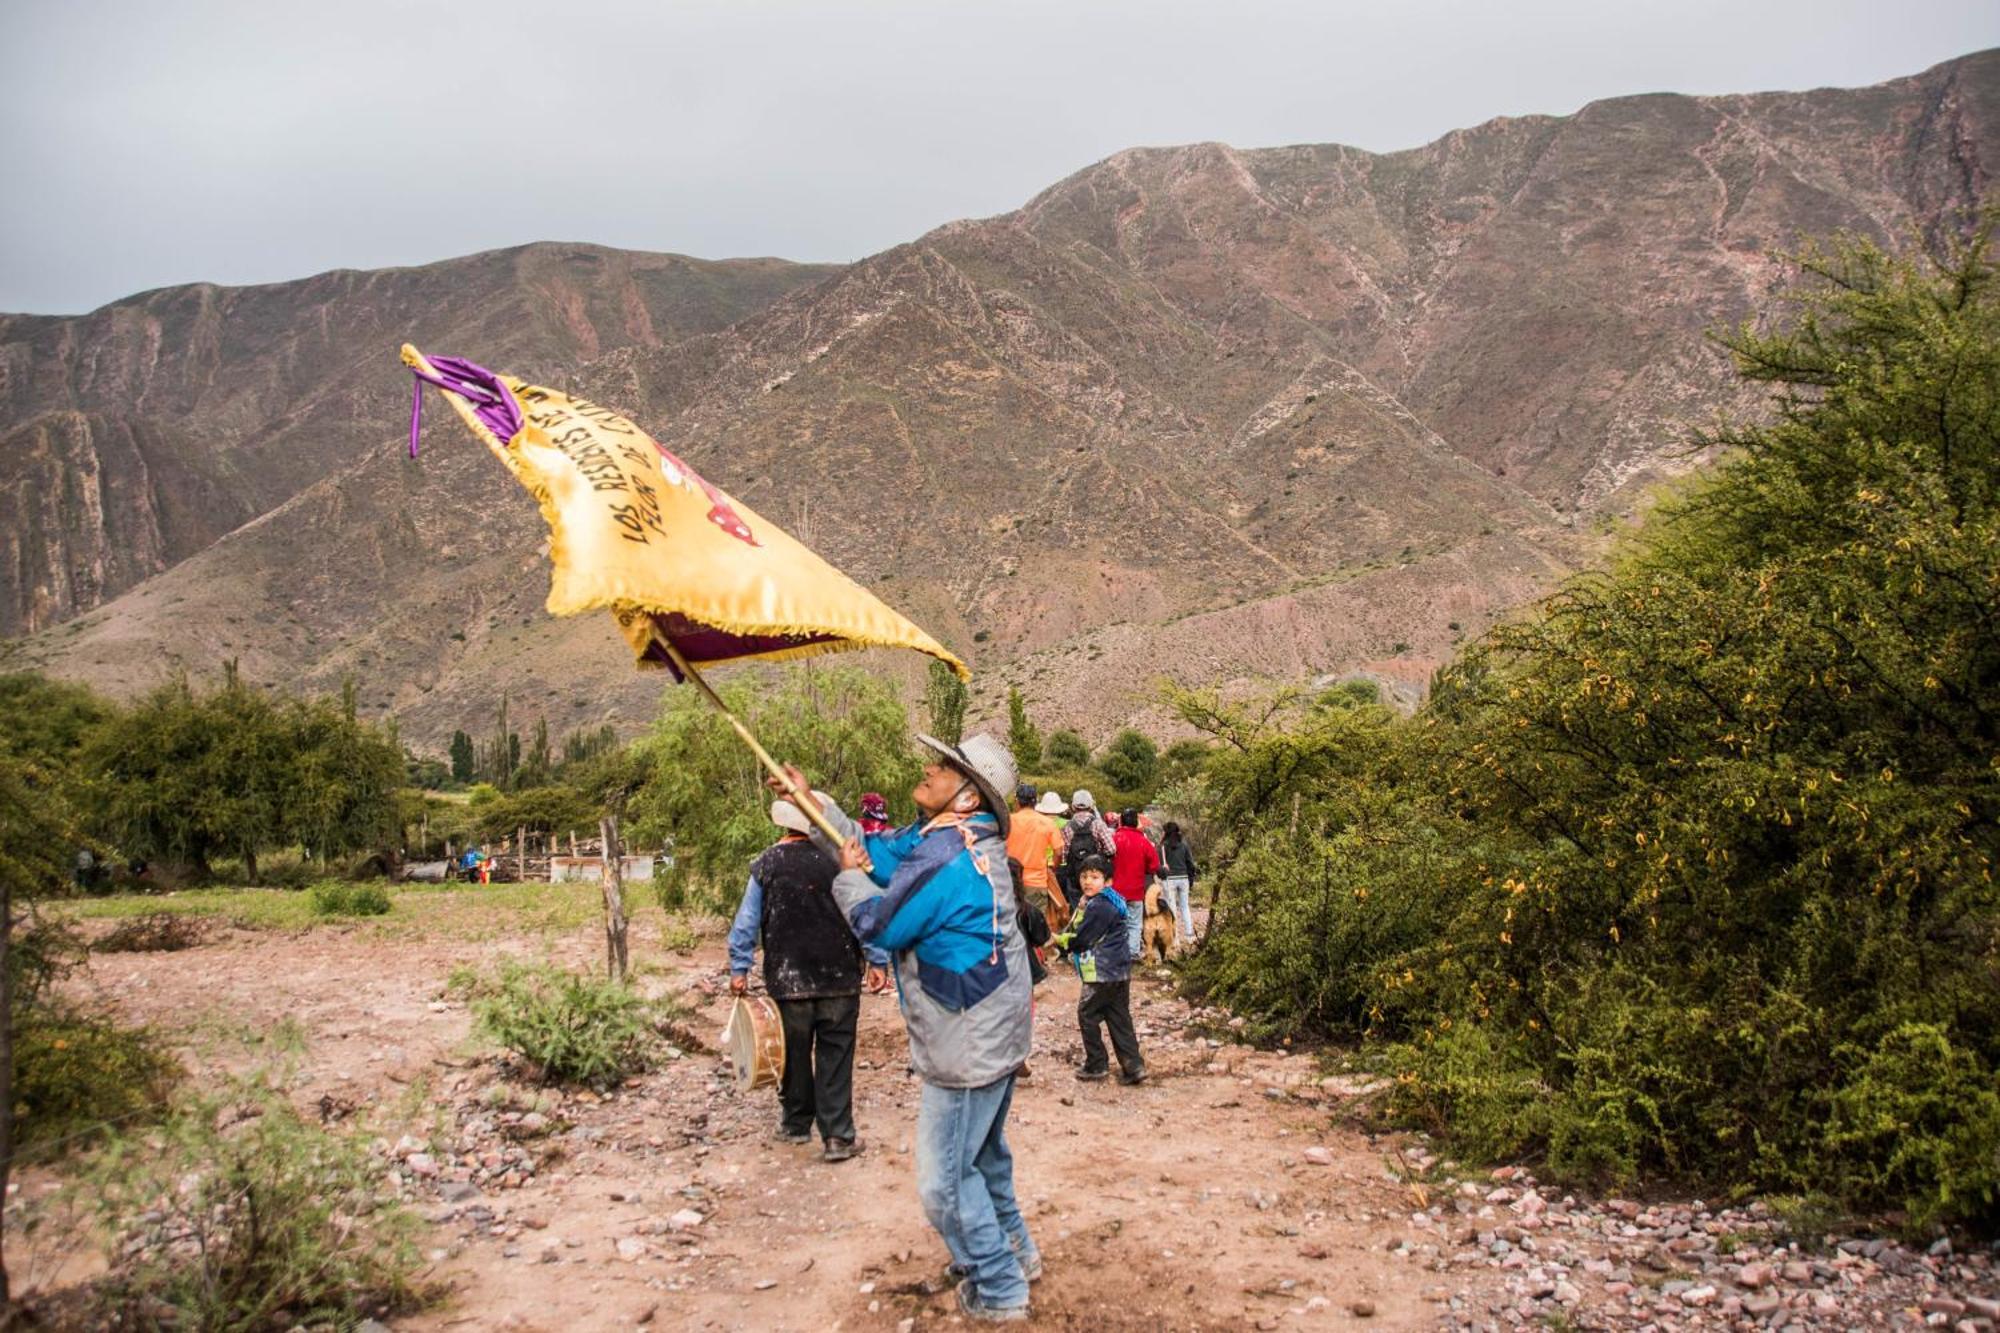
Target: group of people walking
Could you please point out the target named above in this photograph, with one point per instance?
(1052, 841)
(959, 907)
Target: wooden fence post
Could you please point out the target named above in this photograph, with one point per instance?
(614, 899)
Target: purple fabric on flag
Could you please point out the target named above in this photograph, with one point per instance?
(705, 643)
(491, 400)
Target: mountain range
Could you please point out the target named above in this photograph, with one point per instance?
(1225, 415)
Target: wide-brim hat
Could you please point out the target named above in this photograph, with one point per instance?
(990, 765)
(786, 815)
(1051, 804)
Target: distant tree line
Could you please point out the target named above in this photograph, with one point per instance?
(182, 778)
(501, 762)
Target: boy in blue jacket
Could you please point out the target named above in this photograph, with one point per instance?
(1097, 941)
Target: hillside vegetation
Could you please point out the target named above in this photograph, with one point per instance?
(1689, 869)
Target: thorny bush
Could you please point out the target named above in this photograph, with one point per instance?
(1689, 870)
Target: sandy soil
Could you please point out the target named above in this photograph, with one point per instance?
(1189, 1203)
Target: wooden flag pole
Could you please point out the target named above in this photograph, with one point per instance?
(807, 806)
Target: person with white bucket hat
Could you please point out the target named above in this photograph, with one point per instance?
(938, 897)
(813, 971)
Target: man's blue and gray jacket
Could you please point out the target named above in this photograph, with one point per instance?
(941, 901)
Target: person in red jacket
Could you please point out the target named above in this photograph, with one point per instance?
(1134, 864)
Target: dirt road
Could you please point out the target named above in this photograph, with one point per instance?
(1216, 1196)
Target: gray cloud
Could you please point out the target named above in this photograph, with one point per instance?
(234, 142)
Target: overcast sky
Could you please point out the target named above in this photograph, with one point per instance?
(166, 142)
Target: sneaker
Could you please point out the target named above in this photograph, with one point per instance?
(972, 1307)
(1088, 1075)
(839, 1150)
(783, 1135)
(1132, 1078)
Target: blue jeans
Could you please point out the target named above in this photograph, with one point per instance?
(1135, 930)
(965, 1177)
(1177, 901)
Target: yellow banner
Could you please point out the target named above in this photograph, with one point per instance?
(634, 529)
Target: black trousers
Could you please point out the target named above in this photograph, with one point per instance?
(818, 1087)
(1108, 1003)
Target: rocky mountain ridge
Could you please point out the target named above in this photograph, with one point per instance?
(136, 435)
(1223, 414)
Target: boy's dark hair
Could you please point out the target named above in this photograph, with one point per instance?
(1129, 818)
(1097, 863)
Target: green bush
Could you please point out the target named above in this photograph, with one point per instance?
(677, 936)
(1688, 870)
(76, 1075)
(73, 1073)
(1916, 1122)
(1065, 749)
(1130, 761)
(237, 1214)
(332, 897)
(569, 1028)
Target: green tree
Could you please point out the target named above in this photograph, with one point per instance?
(342, 778)
(581, 746)
(45, 720)
(1023, 736)
(704, 792)
(501, 754)
(1065, 749)
(944, 703)
(461, 757)
(537, 767)
(183, 779)
(1131, 761)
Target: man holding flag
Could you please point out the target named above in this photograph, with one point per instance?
(695, 577)
(938, 897)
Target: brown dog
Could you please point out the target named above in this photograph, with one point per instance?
(1158, 933)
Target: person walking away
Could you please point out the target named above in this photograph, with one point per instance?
(1096, 942)
(813, 970)
(1135, 864)
(874, 813)
(1035, 930)
(1031, 840)
(1052, 808)
(1177, 862)
(1086, 834)
(937, 897)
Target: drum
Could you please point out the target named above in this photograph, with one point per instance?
(755, 1041)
